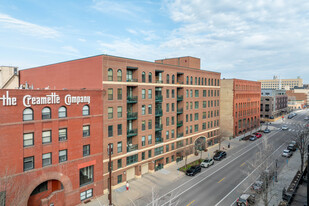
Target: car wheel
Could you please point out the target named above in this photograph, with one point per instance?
(207, 166)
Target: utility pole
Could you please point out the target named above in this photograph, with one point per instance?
(109, 150)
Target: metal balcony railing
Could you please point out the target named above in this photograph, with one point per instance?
(132, 147)
(132, 99)
(131, 115)
(159, 98)
(180, 135)
(158, 140)
(179, 123)
(158, 112)
(180, 111)
(131, 132)
(132, 80)
(158, 127)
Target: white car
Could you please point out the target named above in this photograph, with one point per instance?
(207, 162)
(284, 127)
(307, 118)
(287, 153)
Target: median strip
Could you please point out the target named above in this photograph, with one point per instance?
(221, 180)
(190, 203)
(242, 164)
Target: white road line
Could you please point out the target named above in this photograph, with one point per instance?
(248, 175)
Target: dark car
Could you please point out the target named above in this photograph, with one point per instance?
(245, 200)
(219, 155)
(291, 147)
(266, 131)
(252, 138)
(193, 170)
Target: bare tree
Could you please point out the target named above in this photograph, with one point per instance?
(200, 146)
(220, 139)
(301, 137)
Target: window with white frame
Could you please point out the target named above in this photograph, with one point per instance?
(46, 159)
(86, 194)
(63, 156)
(28, 139)
(46, 137)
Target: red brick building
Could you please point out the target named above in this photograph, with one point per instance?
(51, 146)
(152, 110)
(240, 106)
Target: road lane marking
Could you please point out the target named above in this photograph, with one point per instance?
(190, 203)
(221, 180)
(242, 164)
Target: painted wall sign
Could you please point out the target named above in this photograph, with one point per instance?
(53, 98)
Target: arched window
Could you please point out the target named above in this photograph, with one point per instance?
(208, 82)
(167, 78)
(195, 80)
(110, 74)
(150, 77)
(46, 113)
(119, 75)
(215, 82)
(202, 81)
(27, 114)
(86, 110)
(218, 83)
(62, 112)
(212, 82)
(191, 80)
(173, 79)
(199, 81)
(143, 77)
(187, 80)
(205, 81)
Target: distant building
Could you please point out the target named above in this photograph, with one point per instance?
(274, 103)
(9, 77)
(297, 99)
(239, 106)
(276, 83)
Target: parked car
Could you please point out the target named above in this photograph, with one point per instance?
(258, 135)
(193, 170)
(257, 186)
(219, 155)
(245, 200)
(307, 118)
(284, 127)
(266, 130)
(207, 162)
(293, 142)
(291, 147)
(287, 153)
(290, 116)
(253, 138)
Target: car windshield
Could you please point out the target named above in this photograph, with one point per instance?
(206, 160)
(286, 151)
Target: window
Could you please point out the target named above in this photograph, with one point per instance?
(40, 188)
(150, 124)
(110, 94)
(173, 79)
(143, 125)
(119, 147)
(143, 77)
(149, 93)
(132, 159)
(46, 159)
(28, 139)
(195, 80)
(196, 116)
(167, 107)
(110, 74)
(119, 179)
(86, 194)
(204, 104)
(62, 134)
(46, 113)
(110, 112)
(167, 121)
(149, 153)
(110, 130)
(187, 80)
(46, 137)
(150, 77)
(187, 130)
(28, 163)
(111, 145)
(173, 120)
(86, 110)
(167, 93)
(173, 93)
(143, 93)
(191, 105)
(167, 134)
(119, 163)
(158, 151)
(86, 175)
(196, 128)
(143, 155)
(190, 117)
(187, 105)
(27, 114)
(191, 93)
(173, 133)
(187, 117)
(119, 94)
(196, 104)
(204, 115)
(143, 141)
(63, 155)
(191, 129)
(173, 107)
(149, 109)
(150, 139)
(187, 93)
(62, 112)
(167, 78)
(86, 150)
(167, 148)
(119, 75)
(204, 93)
(119, 129)
(196, 93)
(173, 146)
(86, 130)
(143, 109)
(191, 80)
(119, 112)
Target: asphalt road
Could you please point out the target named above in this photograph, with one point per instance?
(222, 183)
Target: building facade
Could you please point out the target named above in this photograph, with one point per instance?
(52, 146)
(274, 103)
(240, 106)
(152, 110)
(9, 77)
(297, 100)
(277, 83)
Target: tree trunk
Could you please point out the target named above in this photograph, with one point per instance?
(302, 162)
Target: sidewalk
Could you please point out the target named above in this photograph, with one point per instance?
(140, 187)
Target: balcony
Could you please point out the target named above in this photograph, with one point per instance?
(180, 111)
(159, 98)
(132, 80)
(179, 135)
(179, 98)
(159, 81)
(132, 115)
(179, 82)
(131, 132)
(159, 127)
(158, 113)
(132, 99)
(132, 147)
(159, 140)
(179, 123)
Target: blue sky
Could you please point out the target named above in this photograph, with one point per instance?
(247, 39)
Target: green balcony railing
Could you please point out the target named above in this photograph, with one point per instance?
(179, 82)
(180, 111)
(179, 97)
(131, 148)
(159, 98)
(159, 81)
(179, 123)
(180, 135)
(158, 140)
(132, 80)
(132, 99)
(131, 115)
(131, 132)
(158, 127)
(158, 112)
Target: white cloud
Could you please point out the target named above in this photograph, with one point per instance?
(8, 22)
(70, 49)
